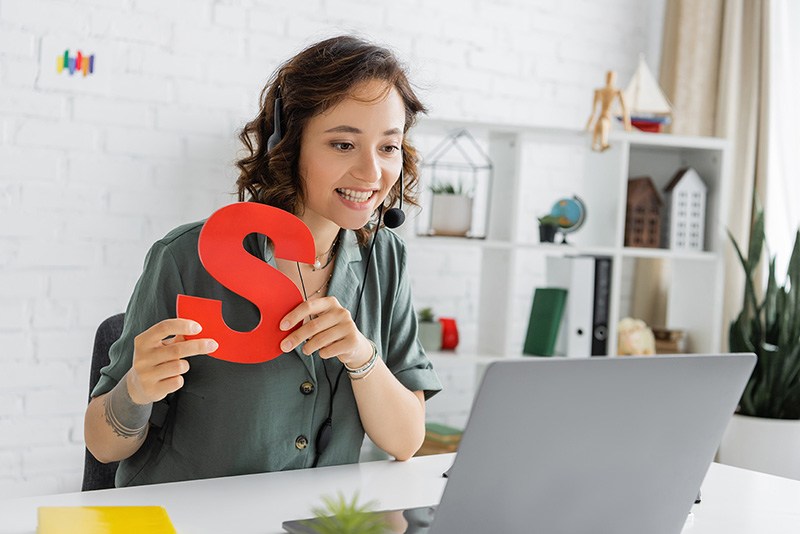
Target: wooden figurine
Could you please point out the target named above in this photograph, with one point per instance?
(643, 214)
(605, 96)
(686, 209)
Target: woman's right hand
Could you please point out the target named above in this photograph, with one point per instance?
(158, 359)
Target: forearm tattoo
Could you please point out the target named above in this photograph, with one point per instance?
(126, 418)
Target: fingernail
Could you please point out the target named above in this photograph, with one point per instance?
(286, 345)
(195, 328)
(211, 345)
(285, 325)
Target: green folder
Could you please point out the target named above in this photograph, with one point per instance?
(546, 312)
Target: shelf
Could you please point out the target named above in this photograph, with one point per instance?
(439, 358)
(663, 253)
(533, 165)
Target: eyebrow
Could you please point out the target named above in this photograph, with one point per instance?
(352, 129)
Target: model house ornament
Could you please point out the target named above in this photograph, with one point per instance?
(686, 208)
(643, 214)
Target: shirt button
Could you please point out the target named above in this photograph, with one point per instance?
(301, 442)
(307, 388)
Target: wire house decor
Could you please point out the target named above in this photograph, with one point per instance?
(457, 183)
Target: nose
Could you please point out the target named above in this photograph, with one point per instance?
(368, 168)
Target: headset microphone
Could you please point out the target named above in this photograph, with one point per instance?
(277, 134)
(394, 217)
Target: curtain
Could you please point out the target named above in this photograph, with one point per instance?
(714, 68)
(782, 202)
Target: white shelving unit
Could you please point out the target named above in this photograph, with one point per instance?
(533, 167)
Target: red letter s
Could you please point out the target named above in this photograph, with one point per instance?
(222, 255)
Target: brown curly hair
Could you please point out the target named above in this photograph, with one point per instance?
(311, 82)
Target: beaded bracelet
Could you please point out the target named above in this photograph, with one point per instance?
(361, 372)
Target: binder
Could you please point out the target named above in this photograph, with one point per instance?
(576, 275)
(547, 310)
(103, 520)
(602, 296)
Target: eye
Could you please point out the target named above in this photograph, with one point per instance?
(390, 149)
(343, 146)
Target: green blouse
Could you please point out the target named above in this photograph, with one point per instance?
(232, 419)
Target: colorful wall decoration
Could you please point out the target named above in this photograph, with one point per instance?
(79, 62)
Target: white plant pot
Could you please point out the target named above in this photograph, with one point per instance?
(766, 445)
(430, 335)
(451, 214)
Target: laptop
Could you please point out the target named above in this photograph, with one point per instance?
(596, 445)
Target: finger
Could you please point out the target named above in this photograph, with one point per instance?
(309, 307)
(325, 338)
(308, 331)
(171, 327)
(172, 339)
(186, 349)
(170, 385)
(336, 349)
(170, 368)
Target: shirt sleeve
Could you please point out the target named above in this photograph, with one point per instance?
(153, 300)
(406, 358)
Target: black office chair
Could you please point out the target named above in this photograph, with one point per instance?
(97, 475)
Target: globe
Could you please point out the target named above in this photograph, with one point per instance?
(571, 213)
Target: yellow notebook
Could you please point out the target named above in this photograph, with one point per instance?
(104, 520)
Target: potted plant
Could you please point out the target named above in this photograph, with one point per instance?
(764, 434)
(451, 209)
(548, 226)
(339, 516)
(430, 330)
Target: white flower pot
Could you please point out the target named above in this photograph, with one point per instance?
(451, 214)
(766, 445)
(430, 335)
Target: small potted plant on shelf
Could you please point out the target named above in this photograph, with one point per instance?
(451, 209)
(548, 226)
(430, 330)
(764, 434)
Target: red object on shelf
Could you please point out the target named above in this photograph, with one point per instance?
(647, 126)
(449, 333)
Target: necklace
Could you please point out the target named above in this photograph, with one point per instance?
(323, 286)
(331, 253)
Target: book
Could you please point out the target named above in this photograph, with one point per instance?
(439, 439)
(544, 323)
(602, 296)
(442, 433)
(104, 520)
(576, 275)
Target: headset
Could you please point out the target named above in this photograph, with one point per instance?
(393, 218)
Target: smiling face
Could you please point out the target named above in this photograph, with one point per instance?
(350, 157)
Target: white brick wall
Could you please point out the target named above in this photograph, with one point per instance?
(92, 170)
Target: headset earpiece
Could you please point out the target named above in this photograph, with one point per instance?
(277, 111)
(394, 217)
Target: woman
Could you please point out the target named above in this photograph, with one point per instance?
(331, 152)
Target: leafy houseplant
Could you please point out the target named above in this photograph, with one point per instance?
(451, 209)
(339, 516)
(770, 329)
(548, 226)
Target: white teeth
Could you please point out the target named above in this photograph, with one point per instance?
(355, 196)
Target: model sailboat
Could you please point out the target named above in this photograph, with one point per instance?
(649, 108)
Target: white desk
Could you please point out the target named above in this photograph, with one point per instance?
(735, 501)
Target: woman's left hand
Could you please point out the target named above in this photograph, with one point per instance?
(331, 331)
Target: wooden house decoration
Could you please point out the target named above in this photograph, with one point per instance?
(643, 214)
(686, 210)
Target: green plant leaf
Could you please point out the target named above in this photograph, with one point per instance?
(339, 516)
(750, 305)
(771, 330)
(757, 238)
